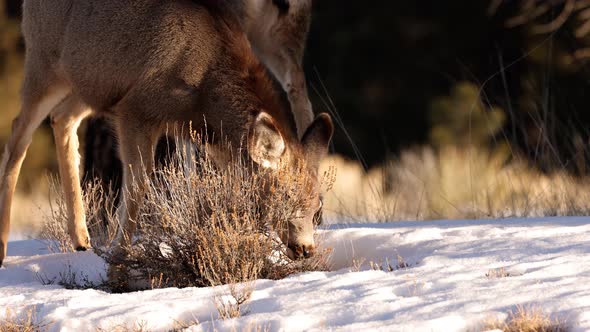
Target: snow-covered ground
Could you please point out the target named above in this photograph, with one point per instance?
(444, 289)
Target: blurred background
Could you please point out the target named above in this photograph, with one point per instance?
(444, 109)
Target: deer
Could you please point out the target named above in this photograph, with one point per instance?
(277, 31)
(145, 64)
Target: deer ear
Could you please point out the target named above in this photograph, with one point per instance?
(266, 145)
(317, 137)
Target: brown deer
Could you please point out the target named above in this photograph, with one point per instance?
(147, 64)
(277, 31)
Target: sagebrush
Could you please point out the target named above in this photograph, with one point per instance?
(199, 224)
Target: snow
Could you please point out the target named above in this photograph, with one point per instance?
(445, 287)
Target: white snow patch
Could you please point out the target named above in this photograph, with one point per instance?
(445, 287)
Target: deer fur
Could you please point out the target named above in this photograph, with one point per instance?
(278, 32)
(147, 64)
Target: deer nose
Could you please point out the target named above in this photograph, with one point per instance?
(302, 251)
(307, 252)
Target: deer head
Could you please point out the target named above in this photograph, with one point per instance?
(270, 149)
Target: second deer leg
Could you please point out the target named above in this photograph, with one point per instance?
(136, 148)
(65, 120)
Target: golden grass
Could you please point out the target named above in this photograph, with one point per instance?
(451, 183)
(527, 319)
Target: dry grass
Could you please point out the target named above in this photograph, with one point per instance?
(234, 304)
(387, 266)
(357, 264)
(11, 322)
(527, 319)
(140, 326)
(70, 279)
(199, 225)
(451, 183)
(498, 273)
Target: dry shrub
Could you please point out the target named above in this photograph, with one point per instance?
(531, 319)
(451, 183)
(234, 304)
(199, 224)
(202, 225)
(24, 323)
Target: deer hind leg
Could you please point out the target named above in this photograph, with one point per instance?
(65, 120)
(136, 148)
(39, 98)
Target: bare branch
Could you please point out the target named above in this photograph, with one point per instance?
(559, 21)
